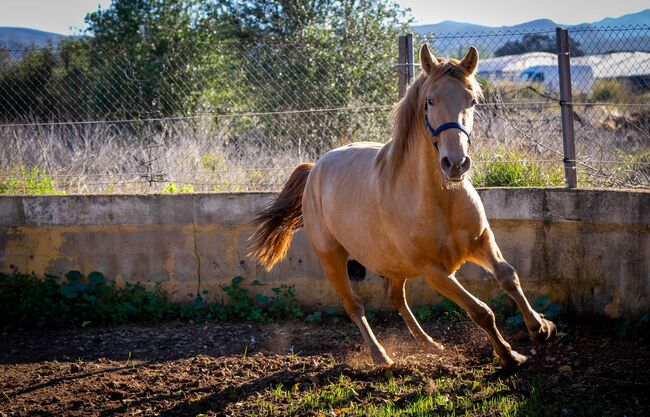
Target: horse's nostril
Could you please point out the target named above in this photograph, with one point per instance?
(446, 163)
(466, 164)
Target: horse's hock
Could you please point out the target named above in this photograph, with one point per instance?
(588, 249)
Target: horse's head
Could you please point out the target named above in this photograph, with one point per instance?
(449, 94)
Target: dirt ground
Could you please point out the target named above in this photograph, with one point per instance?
(189, 369)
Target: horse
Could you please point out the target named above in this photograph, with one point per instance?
(403, 209)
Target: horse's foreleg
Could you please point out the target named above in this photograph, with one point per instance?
(489, 256)
(334, 264)
(479, 312)
(398, 297)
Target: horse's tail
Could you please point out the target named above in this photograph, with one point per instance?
(279, 220)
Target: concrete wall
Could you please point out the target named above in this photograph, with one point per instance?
(588, 249)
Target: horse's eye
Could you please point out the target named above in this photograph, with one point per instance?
(474, 102)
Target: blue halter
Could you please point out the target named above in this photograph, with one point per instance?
(444, 126)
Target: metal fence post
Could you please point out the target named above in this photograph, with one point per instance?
(566, 107)
(405, 63)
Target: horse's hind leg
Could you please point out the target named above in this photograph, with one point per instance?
(334, 263)
(489, 256)
(398, 297)
(479, 312)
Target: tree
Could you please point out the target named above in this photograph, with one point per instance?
(535, 42)
(318, 53)
(152, 47)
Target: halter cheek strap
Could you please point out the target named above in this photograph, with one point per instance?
(449, 125)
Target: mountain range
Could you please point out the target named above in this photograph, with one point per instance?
(11, 37)
(447, 26)
(448, 37)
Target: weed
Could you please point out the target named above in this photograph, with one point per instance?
(172, 188)
(542, 305)
(28, 301)
(443, 310)
(28, 181)
(314, 317)
(241, 304)
(7, 397)
(503, 305)
(283, 303)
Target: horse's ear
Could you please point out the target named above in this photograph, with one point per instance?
(470, 62)
(427, 61)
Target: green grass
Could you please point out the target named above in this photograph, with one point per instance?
(469, 394)
(509, 168)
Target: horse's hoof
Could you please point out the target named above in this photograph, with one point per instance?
(434, 346)
(382, 359)
(513, 360)
(546, 331)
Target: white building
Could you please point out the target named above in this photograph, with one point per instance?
(634, 66)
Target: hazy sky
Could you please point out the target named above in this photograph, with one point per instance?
(64, 16)
(509, 12)
(59, 16)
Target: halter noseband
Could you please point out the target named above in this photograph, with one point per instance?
(444, 126)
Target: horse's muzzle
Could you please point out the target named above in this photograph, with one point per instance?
(455, 169)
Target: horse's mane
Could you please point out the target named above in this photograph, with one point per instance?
(406, 112)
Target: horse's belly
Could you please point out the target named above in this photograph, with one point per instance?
(379, 255)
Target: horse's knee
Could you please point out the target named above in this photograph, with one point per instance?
(507, 277)
(483, 316)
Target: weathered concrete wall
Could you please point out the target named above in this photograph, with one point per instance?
(588, 249)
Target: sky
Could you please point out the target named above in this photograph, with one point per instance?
(58, 16)
(67, 16)
(511, 12)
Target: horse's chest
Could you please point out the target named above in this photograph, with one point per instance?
(447, 241)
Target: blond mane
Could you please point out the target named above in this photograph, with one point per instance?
(408, 111)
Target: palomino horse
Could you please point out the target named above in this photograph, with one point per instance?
(403, 209)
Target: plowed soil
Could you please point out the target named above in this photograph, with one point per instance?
(189, 369)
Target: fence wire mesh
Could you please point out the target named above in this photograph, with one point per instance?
(612, 107)
(239, 117)
(520, 120)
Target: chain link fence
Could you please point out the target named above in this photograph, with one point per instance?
(219, 117)
(238, 117)
(519, 126)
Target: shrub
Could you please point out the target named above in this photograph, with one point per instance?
(611, 90)
(28, 181)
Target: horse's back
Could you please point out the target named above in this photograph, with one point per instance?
(344, 173)
(363, 153)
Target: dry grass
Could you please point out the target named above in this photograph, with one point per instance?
(257, 153)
